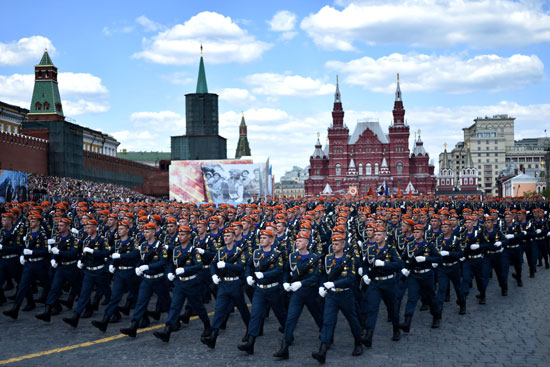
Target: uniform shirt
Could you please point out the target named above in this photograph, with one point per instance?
(129, 253)
(451, 245)
(424, 248)
(68, 248)
(331, 270)
(388, 254)
(11, 242)
(101, 251)
(270, 263)
(154, 255)
(235, 261)
(303, 268)
(186, 258)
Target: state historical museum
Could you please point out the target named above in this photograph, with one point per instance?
(369, 158)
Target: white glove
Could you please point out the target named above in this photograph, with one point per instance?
(51, 241)
(498, 244)
(259, 275)
(22, 260)
(462, 259)
(360, 271)
(143, 268)
(286, 286)
(295, 286)
(509, 236)
(420, 259)
(74, 231)
(1, 246)
(171, 277)
(434, 265)
(322, 292)
(166, 247)
(55, 251)
(216, 279)
(444, 253)
(79, 264)
(115, 256)
(379, 263)
(250, 281)
(139, 272)
(88, 250)
(180, 271)
(27, 252)
(200, 251)
(220, 264)
(405, 272)
(548, 234)
(25, 238)
(360, 243)
(112, 269)
(474, 246)
(538, 231)
(366, 279)
(54, 263)
(328, 285)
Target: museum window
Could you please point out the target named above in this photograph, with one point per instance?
(338, 169)
(399, 168)
(368, 169)
(376, 168)
(360, 168)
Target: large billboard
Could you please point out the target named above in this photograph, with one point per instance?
(13, 186)
(220, 181)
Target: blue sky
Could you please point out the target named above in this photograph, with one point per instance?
(126, 66)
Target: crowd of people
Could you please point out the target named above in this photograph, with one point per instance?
(329, 254)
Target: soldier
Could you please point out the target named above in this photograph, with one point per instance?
(493, 256)
(154, 257)
(512, 252)
(381, 263)
(64, 250)
(528, 246)
(301, 281)
(226, 269)
(95, 250)
(207, 249)
(35, 263)
(339, 273)
(10, 248)
(473, 247)
(183, 270)
(123, 264)
(541, 236)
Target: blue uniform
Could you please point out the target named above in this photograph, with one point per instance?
(512, 251)
(473, 265)
(449, 269)
(66, 266)
(36, 265)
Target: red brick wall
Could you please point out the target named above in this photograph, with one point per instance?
(23, 153)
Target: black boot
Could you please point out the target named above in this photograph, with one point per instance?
(462, 310)
(532, 272)
(115, 318)
(248, 347)
(206, 330)
(95, 303)
(3, 298)
(56, 309)
(504, 291)
(88, 311)
(482, 299)
(31, 304)
(210, 341)
(321, 355)
(101, 325)
(245, 337)
(406, 325)
(132, 330)
(436, 321)
(164, 335)
(424, 307)
(144, 322)
(283, 352)
(73, 321)
(367, 338)
(43, 296)
(358, 348)
(186, 315)
(46, 315)
(396, 333)
(13, 313)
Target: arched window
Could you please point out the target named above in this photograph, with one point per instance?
(46, 106)
(317, 171)
(471, 181)
(399, 168)
(338, 169)
(360, 168)
(376, 168)
(419, 169)
(368, 169)
(38, 106)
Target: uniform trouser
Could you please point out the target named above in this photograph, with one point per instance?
(470, 269)
(530, 250)
(542, 249)
(305, 296)
(229, 294)
(400, 289)
(97, 278)
(10, 269)
(207, 284)
(334, 302)
(32, 271)
(262, 300)
(147, 287)
(191, 291)
(377, 291)
(124, 281)
(421, 285)
(446, 274)
(494, 261)
(511, 256)
(63, 274)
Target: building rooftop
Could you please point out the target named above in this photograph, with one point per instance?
(373, 126)
(145, 156)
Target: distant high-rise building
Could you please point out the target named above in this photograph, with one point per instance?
(243, 149)
(201, 139)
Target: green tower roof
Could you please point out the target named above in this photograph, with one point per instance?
(201, 82)
(46, 60)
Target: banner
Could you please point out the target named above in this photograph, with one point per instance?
(13, 186)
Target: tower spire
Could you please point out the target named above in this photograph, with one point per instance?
(201, 81)
(398, 90)
(337, 93)
(445, 164)
(46, 101)
(243, 148)
(398, 110)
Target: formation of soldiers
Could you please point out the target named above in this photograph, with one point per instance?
(328, 254)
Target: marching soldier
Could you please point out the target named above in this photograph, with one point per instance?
(474, 248)
(10, 248)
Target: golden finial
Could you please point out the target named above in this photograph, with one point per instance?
(445, 145)
(46, 49)
(242, 113)
(318, 135)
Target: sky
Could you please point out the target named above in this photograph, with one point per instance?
(125, 66)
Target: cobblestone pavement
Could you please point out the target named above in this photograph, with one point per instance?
(508, 331)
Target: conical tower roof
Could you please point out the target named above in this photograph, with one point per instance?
(202, 87)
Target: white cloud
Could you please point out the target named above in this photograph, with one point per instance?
(25, 50)
(288, 85)
(483, 23)
(148, 24)
(452, 74)
(283, 21)
(178, 78)
(80, 92)
(164, 121)
(142, 140)
(236, 96)
(223, 40)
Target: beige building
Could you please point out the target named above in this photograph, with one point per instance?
(11, 117)
(528, 155)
